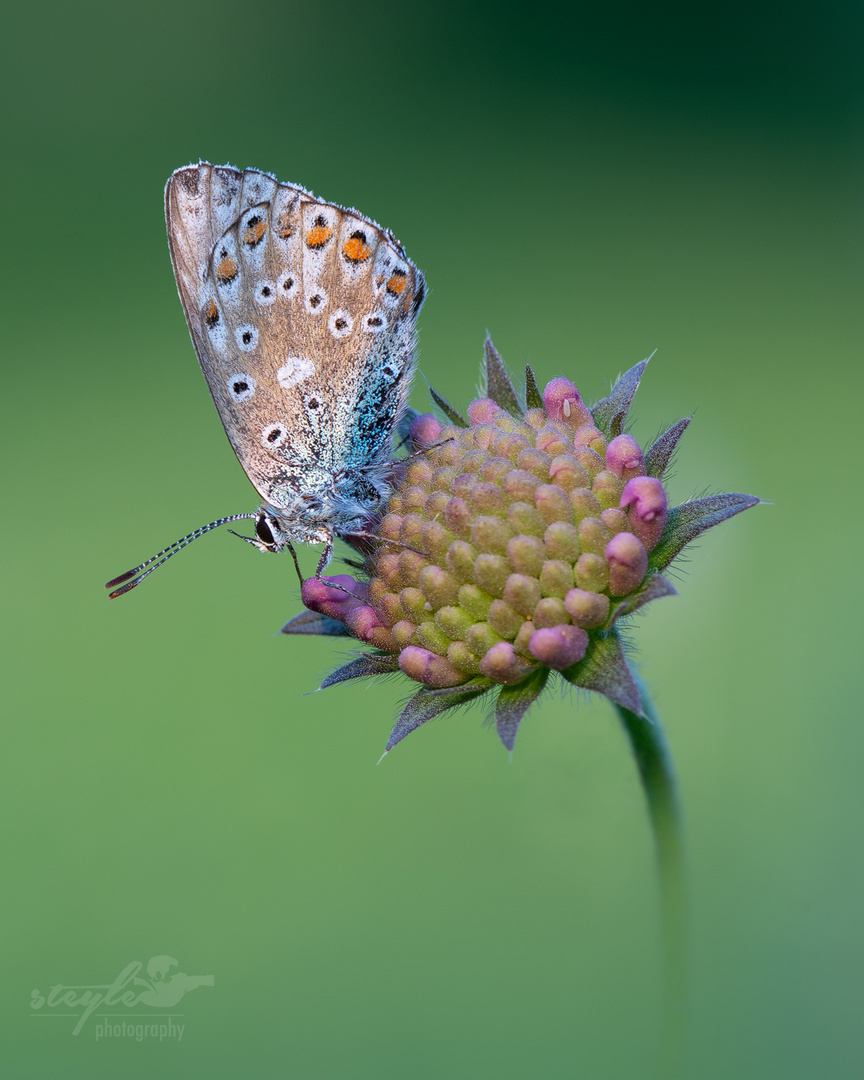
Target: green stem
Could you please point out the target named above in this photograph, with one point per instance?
(658, 780)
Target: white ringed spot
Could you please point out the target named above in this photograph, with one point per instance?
(241, 386)
(286, 285)
(316, 300)
(246, 337)
(273, 436)
(265, 293)
(340, 324)
(295, 370)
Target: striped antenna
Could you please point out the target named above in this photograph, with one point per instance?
(163, 556)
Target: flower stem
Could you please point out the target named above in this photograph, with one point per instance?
(658, 779)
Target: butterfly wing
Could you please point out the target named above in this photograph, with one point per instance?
(302, 315)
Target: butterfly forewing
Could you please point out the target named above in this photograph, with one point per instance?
(302, 315)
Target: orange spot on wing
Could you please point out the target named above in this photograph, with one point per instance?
(211, 313)
(396, 283)
(318, 236)
(355, 250)
(284, 228)
(254, 232)
(226, 270)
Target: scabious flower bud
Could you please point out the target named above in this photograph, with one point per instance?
(334, 602)
(646, 499)
(425, 667)
(559, 647)
(510, 547)
(483, 411)
(624, 457)
(502, 665)
(424, 430)
(627, 561)
(562, 402)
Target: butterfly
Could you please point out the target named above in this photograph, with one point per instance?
(303, 315)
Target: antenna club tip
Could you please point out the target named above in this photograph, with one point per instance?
(119, 580)
(122, 590)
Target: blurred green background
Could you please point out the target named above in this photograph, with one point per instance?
(590, 184)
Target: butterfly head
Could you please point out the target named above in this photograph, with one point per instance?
(268, 532)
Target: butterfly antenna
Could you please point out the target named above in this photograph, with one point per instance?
(163, 556)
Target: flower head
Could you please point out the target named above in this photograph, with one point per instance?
(511, 548)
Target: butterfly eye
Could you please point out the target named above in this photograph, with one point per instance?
(263, 530)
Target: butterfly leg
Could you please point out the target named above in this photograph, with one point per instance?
(326, 555)
(290, 547)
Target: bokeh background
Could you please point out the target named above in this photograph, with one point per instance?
(590, 183)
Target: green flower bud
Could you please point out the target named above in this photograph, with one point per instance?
(593, 535)
(460, 560)
(455, 622)
(592, 573)
(526, 554)
(430, 636)
(481, 637)
(413, 603)
(562, 542)
(556, 578)
(491, 534)
(522, 593)
(550, 612)
(491, 572)
(439, 587)
(475, 601)
(526, 519)
(504, 619)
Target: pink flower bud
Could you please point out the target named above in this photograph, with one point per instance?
(552, 442)
(502, 665)
(535, 462)
(483, 411)
(559, 646)
(365, 625)
(587, 609)
(458, 516)
(390, 527)
(562, 402)
(624, 457)
(424, 431)
(628, 563)
(428, 668)
(334, 603)
(389, 608)
(647, 501)
(588, 435)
